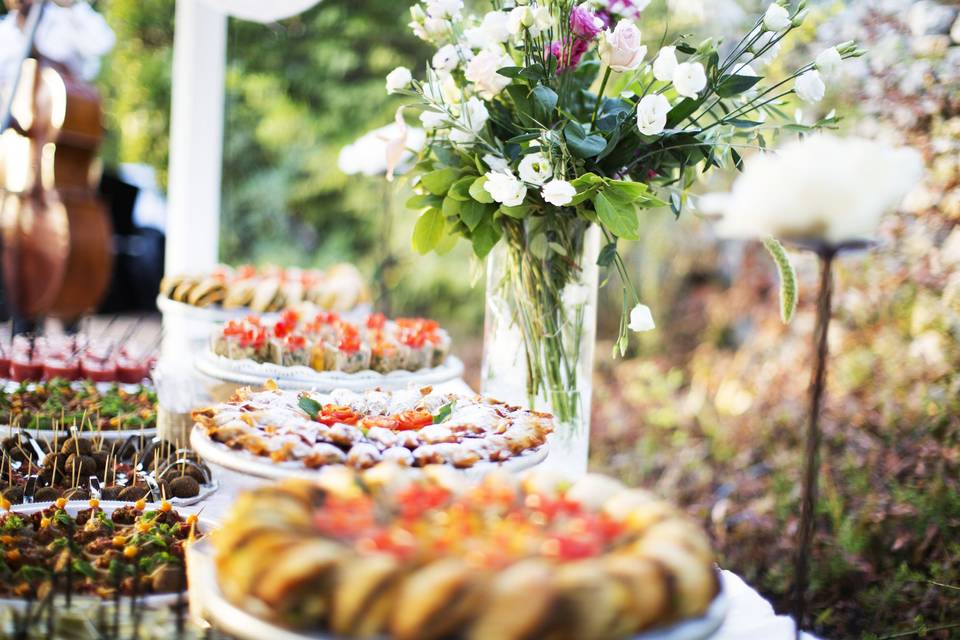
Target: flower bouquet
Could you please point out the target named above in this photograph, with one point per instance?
(549, 130)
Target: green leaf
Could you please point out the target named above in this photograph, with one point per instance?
(311, 406)
(538, 246)
(443, 413)
(556, 247)
(524, 137)
(510, 72)
(681, 111)
(544, 103)
(582, 145)
(427, 231)
(630, 191)
(485, 236)
(607, 254)
(439, 182)
(460, 190)
(788, 279)
(733, 85)
(519, 212)
(450, 207)
(423, 201)
(471, 212)
(740, 123)
(478, 193)
(447, 242)
(533, 72)
(619, 219)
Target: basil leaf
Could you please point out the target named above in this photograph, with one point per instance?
(311, 406)
(443, 413)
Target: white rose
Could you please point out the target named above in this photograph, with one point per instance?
(398, 79)
(448, 57)
(652, 114)
(473, 117)
(828, 61)
(496, 163)
(641, 319)
(558, 193)
(689, 79)
(445, 9)
(535, 169)
(824, 187)
(432, 120)
(505, 188)
(809, 86)
(620, 49)
(665, 64)
(482, 71)
(776, 18)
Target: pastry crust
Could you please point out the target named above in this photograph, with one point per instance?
(423, 554)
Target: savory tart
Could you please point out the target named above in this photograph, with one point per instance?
(269, 289)
(413, 427)
(325, 342)
(132, 550)
(422, 554)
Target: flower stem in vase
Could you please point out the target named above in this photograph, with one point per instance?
(542, 321)
(812, 450)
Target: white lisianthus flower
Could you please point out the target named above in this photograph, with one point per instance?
(535, 169)
(777, 18)
(398, 79)
(482, 71)
(665, 64)
(380, 151)
(496, 163)
(442, 89)
(689, 79)
(533, 19)
(559, 193)
(809, 86)
(444, 9)
(473, 117)
(762, 41)
(620, 49)
(828, 61)
(448, 57)
(542, 20)
(518, 19)
(641, 319)
(505, 188)
(432, 120)
(436, 28)
(652, 114)
(823, 188)
(495, 26)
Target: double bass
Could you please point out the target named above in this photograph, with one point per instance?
(55, 231)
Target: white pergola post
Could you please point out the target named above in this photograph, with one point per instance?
(196, 138)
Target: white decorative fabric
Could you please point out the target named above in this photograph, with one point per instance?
(258, 10)
(76, 36)
(751, 617)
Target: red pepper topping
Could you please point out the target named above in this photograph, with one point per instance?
(376, 321)
(413, 419)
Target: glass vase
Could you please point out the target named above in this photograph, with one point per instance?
(540, 327)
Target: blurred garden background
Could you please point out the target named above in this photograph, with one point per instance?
(708, 409)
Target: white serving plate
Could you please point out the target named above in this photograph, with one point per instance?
(248, 372)
(48, 435)
(218, 455)
(208, 601)
(73, 507)
(216, 314)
